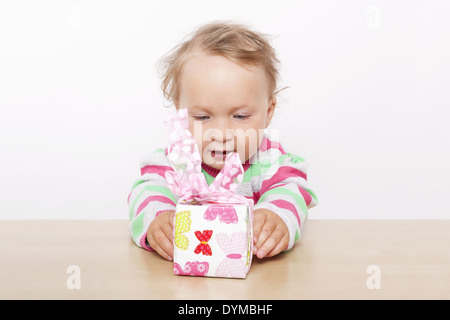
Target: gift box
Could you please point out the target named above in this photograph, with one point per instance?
(213, 224)
(212, 239)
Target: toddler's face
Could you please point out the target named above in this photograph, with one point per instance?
(229, 106)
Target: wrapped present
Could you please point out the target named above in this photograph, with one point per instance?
(213, 225)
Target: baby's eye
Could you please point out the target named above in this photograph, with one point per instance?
(201, 118)
(240, 116)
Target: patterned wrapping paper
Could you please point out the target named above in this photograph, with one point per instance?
(213, 225)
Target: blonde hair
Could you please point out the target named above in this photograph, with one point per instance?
(230, 40)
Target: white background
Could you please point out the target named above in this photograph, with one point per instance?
(368, 103)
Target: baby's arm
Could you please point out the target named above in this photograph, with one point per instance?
(282, 209)
(149, 198)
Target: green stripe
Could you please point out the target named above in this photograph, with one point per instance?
(138, 182)
(261, 167)
(313, 194)
(298, 199)
(159, 150)
(137, 226)
(295, 158)
(209, 178)
(280, 190)
(163, 190)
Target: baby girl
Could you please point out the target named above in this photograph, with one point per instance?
(225, 75)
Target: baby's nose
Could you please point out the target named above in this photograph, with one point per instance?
(226, 130)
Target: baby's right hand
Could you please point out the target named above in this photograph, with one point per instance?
(160, 234)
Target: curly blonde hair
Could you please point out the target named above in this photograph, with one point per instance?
(230, 40)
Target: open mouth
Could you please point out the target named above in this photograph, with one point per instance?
(220, 154)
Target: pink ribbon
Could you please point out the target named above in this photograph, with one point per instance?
(187, 179)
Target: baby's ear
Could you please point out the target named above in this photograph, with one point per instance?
(271, 110)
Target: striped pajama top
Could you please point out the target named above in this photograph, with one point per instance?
(274, 179)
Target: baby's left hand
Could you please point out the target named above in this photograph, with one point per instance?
(270, 234)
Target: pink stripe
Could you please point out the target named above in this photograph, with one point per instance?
(153, 198)
(234, 256)
(159, 212)
(144, 243)
(161, 170)
(255, 197)
(283, 204)
(266, 144)
(282, 174)
(128, 199)
(276, 186)
(305, 195)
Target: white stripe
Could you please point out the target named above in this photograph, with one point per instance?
(257, 181)
(301, 214)
(292, 187)
(149, 213)
(139, 188)
(147, 194)
(271, 155)
(245, 189)
(153, 177)
(313, 203)
(155, 159)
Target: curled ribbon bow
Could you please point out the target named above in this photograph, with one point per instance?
(187, 179)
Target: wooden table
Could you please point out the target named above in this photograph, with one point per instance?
(334, 259)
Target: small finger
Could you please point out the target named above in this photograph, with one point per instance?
(265, 234)
(168, 232)
(281, 246)
(270, 243)
(161, 244)
(258, 224)
(165, 244)
(171, 218)
(157, 249)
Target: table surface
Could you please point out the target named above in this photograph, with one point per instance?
(334, 259)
